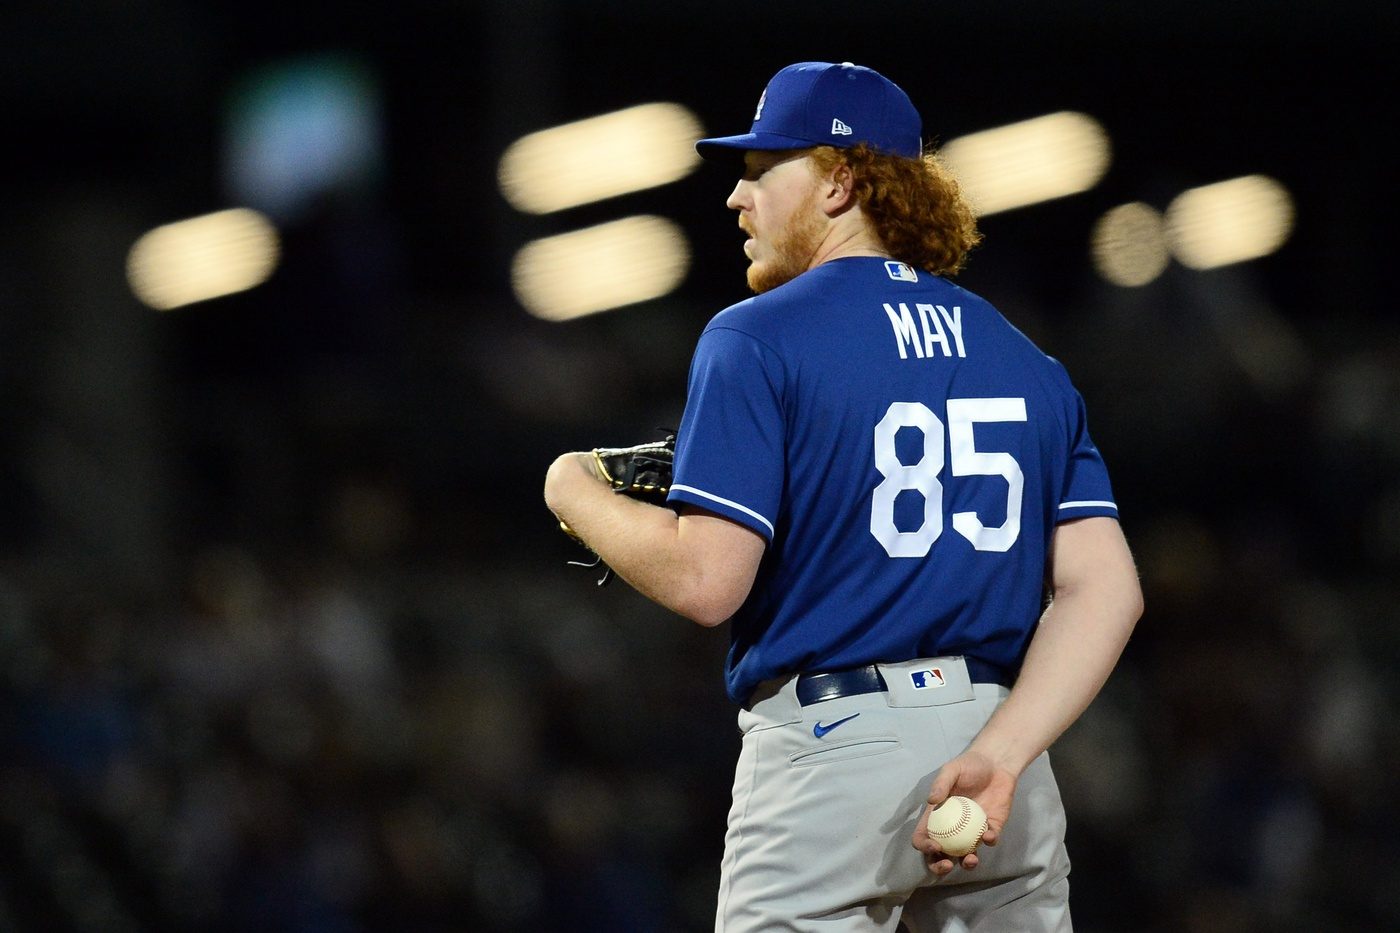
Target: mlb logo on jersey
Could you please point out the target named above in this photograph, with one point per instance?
(924, 680)
(900, 272)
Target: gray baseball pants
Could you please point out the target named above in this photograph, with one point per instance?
(820, 827)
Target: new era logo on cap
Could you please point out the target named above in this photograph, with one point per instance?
(799, 108)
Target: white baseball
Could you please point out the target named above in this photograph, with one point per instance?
(957, 825)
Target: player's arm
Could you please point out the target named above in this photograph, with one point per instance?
(696, 564)
(1095, 603)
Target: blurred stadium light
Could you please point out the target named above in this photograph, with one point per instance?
(1230, 221)
(589, 160)
(201, 258)
(299, 130)
(1129, 245)
(1028, 162)
(599, 268)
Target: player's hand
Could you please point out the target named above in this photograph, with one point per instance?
(968, 775)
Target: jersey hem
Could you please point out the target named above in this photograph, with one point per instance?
(1069, 511)
(729, 509)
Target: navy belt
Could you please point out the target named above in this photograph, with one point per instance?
(830, 685)
(815, 688)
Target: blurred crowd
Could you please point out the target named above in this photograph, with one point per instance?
(290, 746)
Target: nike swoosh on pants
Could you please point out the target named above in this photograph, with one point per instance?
(821, 729)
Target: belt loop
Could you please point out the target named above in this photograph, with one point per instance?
(928, 682)
(773, 703)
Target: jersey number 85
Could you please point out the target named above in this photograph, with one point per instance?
(966, 459)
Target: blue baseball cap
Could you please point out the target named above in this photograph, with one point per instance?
(826, 104)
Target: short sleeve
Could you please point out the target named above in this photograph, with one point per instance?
(729, 449)
(1087, 491)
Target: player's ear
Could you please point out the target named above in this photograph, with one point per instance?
(839, 189)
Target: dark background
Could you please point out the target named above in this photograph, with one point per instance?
(287, 641)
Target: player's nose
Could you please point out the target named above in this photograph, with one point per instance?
(739, 198)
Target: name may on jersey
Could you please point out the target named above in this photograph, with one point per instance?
(931, 334)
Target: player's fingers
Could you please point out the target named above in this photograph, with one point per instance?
(970, 861)
(940, 865)
(943, 784)
(925, 843)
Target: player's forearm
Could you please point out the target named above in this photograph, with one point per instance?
(644, 544)
(1079, 640)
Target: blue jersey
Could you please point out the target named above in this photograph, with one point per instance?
(905, 451)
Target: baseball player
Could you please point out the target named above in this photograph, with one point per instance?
(876, 480)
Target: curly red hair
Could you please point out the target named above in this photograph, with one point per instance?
(915, 206)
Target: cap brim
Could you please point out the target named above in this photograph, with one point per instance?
(726, 147)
